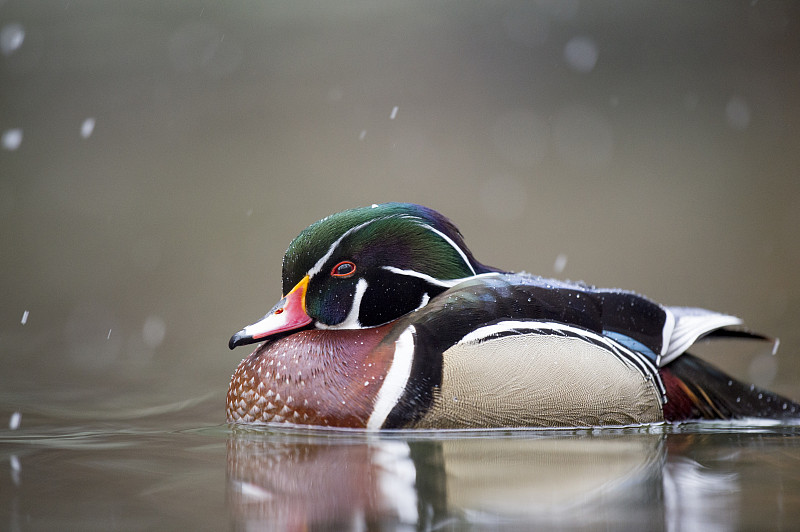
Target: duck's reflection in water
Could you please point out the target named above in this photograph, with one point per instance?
(284, 482)
(290, 481)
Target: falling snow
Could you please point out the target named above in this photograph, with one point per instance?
(11, 38)
(11, 139)
(16, 419)
(560, 263)
(87, 127)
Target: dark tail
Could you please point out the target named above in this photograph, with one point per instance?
(697, 390)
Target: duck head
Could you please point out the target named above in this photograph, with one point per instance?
(363, 268)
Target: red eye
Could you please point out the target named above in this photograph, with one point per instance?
(344, 269)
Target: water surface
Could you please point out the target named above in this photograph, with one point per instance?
(138, 475)
(156, 158)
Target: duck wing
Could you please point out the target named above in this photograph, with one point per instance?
(659, 332)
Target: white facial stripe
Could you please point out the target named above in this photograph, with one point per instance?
(321, 262)
(351, 321)
(446, 283)
(396, 379)
(450, 241)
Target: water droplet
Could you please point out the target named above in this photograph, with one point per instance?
(560, 263)
(153, 331)
(15, 468)
(581, 53)
(87, 127)
(11, 139)
(11, 37)
(16, 419)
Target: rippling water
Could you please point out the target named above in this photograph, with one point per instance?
(157, 158)
(136, 474)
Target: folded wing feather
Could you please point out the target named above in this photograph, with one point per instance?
(690, 324)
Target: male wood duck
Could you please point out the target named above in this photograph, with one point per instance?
(389, 322)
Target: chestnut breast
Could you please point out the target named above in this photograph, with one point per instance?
(313, 377)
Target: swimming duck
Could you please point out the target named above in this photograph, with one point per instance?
(388, 321)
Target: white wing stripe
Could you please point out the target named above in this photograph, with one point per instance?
(627, 356)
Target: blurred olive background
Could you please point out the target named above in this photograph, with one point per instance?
(158, 157)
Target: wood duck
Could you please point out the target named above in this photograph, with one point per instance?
(389, 322)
